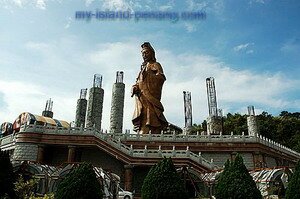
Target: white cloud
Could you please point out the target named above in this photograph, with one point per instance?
(36, 45)
(62, 81)
(18, 97)
(188, 72)
(88, 2)
(41, 4)
(215, 8)
(190, 27)
(118, 5)
(69, 21)
(197, 5)
(291, 46)
(244, 48)
(168, 6)
(257, 1)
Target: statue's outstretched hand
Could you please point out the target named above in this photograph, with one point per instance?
(135, 90)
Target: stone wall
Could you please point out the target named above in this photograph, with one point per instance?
(248, 160)
(25, 151)
(101, 159)
(270, 161)
(117, 108)
(218, 158)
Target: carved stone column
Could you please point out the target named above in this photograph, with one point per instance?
(128, 177)
(71, 154)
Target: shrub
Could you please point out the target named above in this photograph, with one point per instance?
(25, 189)
(163, 182)
(80, 183)
(235, 182)
(293, 189)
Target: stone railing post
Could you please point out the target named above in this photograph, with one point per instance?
(44, 127)
(125, 136)
(243, 136)
(187, 151)
(131, 150)
(81, 128)
(119, 143)
(159, 151)
(162, 136)
(149, 136)
(200, 157)
(69, 129)
(174, 136)
(34, 126)
(174, 151)
(145, 151)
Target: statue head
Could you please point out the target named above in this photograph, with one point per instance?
(148, 52)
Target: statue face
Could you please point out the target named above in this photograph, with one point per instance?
(147, 54)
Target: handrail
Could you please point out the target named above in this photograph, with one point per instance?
(161, 137)
(117, 144)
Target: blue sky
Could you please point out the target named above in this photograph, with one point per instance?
(251, 47)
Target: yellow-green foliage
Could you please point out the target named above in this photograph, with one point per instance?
(25, 189)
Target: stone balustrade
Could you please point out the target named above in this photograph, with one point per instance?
(116, 142)
(116, 139)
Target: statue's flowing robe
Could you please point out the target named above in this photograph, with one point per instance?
(148, 108)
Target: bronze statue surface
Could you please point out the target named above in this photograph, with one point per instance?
(148, 114)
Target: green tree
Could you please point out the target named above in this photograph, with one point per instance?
(236, 123)
(163, 182)
(293, 189)
(80, 183)
(25, 189)
(235, 182)
(7, 177)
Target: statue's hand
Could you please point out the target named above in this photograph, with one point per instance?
(134, 90)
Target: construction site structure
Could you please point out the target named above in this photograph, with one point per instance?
(95, 103)
(48, 109)
(188, 119)
(81, 109)
(214, 120)
(117, 104)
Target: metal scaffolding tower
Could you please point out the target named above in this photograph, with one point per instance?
(119, 77)
(48, 109)
(83, 93)
(211, 96)
(97, 83)
(49, 105)
(187, 109)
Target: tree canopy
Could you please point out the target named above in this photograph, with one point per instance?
(293, 190)
(7, 177)
(235, 182)
(80, 183)
(163, 182)
(284, 128)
